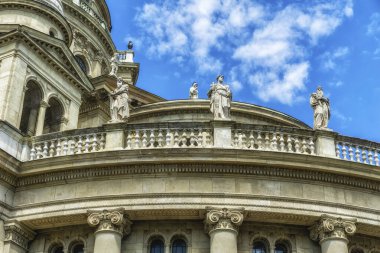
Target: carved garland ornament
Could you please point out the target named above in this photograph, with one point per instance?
(330, 227)
(109, 220)
(223, 219)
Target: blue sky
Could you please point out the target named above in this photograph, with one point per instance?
(272, 53)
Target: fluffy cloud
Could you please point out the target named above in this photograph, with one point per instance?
(264, 46)
(329, 59)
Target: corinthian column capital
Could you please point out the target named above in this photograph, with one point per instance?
(329, 227)
(18, 234)
(223, 219)
(109, 220)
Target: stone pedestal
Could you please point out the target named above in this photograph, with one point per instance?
(111, 225)
(325, 143)
(17, 237)
(115, 136)
(223, 226)
(222, 133)
(332, 233)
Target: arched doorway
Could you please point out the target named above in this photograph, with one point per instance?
(53, 116)
(31, 105)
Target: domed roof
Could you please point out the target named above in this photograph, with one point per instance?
(55, 4)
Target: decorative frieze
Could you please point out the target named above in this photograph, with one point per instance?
(18, 234)
(329, 227)
(110, 220)
(223, 219)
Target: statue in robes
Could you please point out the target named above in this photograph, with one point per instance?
(321, 106)
(114, 64)
(194, 91)
(220, 99)
(119, 102)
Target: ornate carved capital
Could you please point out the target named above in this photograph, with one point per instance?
(223, 219)
(110, 220)
(329, 227)
(44, 104)
(18, 234)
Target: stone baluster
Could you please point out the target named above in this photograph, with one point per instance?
(160, 138)
(274, 142)
(337, 150)
(129, 140)
(168, 138)
(267, 142)
(102, 141)
(357, 154)
(364, 155)
(137, 139)
(144, 139)
(332, 233)
(290, 145)
(297, 144)
(259, 141)
(33, 152)
(251, 140)
(72, 146)
(151, 139)
(370, 157)
(351, 153)
(192, 138)
(111, 226)
(87, 144)
(45, 150)
(376, 156)
(176, 139)
(94, 145)
(304, 146)
(184, 138)
(58, 147)
(200, 138)
(282, 143)
(52, 147)
(223, 226)
(17, 238)
(80, 145)
(344, 151)
(39, 151)
(311, 146)
(65, 146)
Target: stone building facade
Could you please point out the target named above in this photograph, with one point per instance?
(171, 179)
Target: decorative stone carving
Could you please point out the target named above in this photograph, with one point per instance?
(329, 227)
(321, 106)
(18, 234)
(220, 99)
(114, 64)
(130, 45)
(194, 91)
(223, 219)
(119, 102)
(110, 220)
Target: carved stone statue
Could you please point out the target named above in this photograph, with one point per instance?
(114, 64)
(321, 106)
(194, 91)
(220, 99)
(119, 102)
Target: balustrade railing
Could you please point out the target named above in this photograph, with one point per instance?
(201, 135)
(168, 138)
(275, 139)
(68, 145)
(357, 150)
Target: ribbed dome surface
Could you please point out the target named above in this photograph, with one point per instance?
(56, 4)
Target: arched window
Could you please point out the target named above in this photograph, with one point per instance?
(53, 117)
(82, 63)
(31, 105)
(179, 246)
(56, 249)
(280, 248)
(259, 247)
(77, 247)
(157, 246)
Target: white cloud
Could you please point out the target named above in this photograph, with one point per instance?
(373, 27)
(329, 59)
(256, 43)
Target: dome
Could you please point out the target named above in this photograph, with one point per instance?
(55, 4)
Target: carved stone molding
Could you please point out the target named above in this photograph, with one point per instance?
(329, 227)
(223, 219)
(110, 220)
(18, 234)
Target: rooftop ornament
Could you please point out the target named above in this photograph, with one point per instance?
(220, 99)
(194, 91)
(321, 106)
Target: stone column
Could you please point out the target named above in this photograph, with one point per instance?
(41, 118)
(332, 233)
(223, 226)
(111, 226)
(17, 237)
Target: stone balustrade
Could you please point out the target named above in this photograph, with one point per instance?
(357, 150)
(66, 145)
(201, 135)
(168, 138)
(274, 140)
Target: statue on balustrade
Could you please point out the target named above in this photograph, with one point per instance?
(220, 99)
(321, 106)
(194, 91)
(114, 64)
(119, 102)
